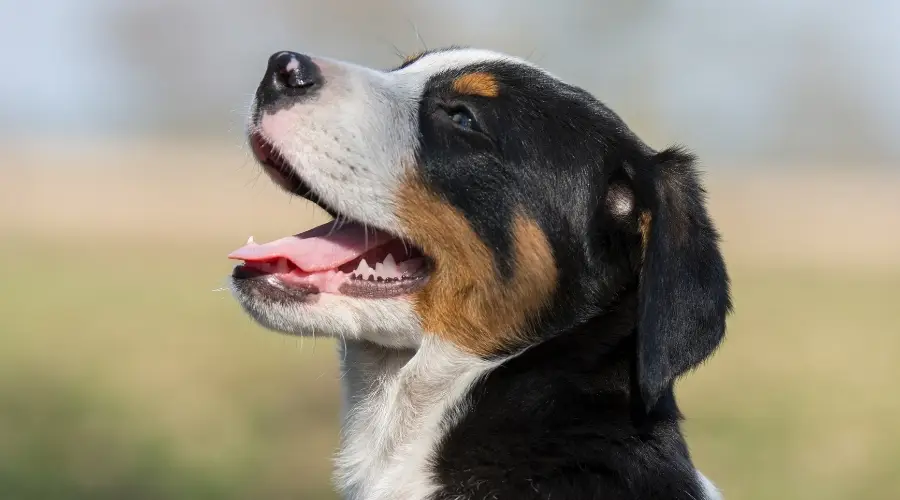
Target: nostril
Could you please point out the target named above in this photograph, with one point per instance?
(295, 78)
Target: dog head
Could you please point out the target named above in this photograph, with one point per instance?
(477, 198)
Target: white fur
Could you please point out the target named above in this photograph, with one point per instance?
(350, 141)
(436, 62)
(387, 322)
(397, 406)
(710, 490)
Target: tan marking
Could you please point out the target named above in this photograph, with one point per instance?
(465, 300)
(479, 84)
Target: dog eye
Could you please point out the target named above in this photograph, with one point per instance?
(463, 119)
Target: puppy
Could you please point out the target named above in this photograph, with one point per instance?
(517, 279)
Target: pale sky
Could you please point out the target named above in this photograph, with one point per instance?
(718, 74)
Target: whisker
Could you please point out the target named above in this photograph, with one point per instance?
(226, 286)
(418, 35)
(252, 183)
(366, 234)
(336, 225)
(397, 52)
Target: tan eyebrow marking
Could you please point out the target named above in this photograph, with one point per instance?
(478, 84)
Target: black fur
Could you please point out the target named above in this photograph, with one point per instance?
(589, 411)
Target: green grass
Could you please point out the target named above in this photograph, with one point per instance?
(124, 375)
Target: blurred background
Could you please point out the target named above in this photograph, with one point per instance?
(125, 371)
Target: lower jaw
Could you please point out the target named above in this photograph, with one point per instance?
(353, 288)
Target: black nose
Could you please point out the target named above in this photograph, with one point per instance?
(290, 70)
(289, 75)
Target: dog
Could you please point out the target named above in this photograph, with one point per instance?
(516, 278)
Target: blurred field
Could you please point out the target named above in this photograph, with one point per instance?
(124, 375)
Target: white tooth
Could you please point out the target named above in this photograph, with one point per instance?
(362, 267)
(250, 241)
(282, 267)
(379, 269)
(390, 265)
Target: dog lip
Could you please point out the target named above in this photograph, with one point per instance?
(269, 157)
(255, 282)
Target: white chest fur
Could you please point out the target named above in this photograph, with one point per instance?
(397, 405)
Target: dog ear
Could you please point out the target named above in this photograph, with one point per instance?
(683, 295)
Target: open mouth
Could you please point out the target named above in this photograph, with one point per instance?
(342, 257)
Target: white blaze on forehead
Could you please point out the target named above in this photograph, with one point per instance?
(434, 63)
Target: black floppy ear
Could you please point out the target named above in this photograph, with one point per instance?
(684, 288)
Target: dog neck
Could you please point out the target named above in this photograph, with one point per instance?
(395, 406)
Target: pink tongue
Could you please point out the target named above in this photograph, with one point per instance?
(319, 249)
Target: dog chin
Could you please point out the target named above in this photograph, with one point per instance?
(390, 322)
